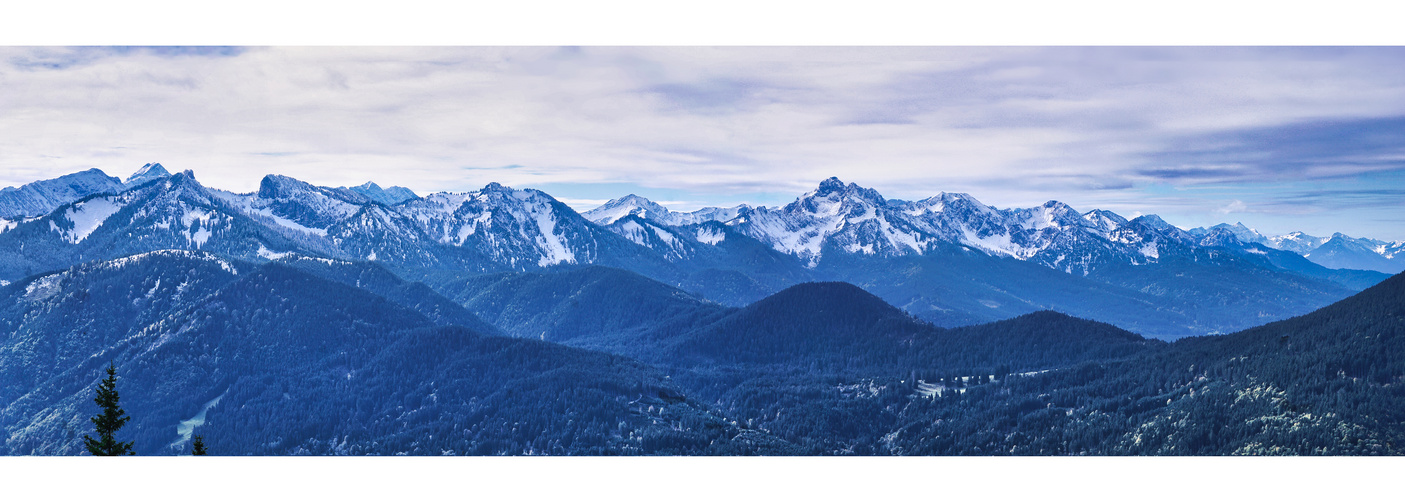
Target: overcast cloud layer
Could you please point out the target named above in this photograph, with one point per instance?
(1282, 139)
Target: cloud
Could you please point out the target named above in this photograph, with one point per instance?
(58, 58)
(1232, 207)
(1313, 150)
(1014, 126)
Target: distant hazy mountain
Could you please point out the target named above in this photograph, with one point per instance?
(1338, 251)
(1344, 252)
(388, 196)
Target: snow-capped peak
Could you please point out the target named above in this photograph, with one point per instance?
(827, 186)
(854, 218)
(647, 209)
(514, 227)
(1241, 232)
(1220, 236)
(146, 173)
(1104, 221)
(627, 205)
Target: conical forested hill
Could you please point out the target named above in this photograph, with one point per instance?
(836, 324)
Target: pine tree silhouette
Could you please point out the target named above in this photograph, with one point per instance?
(199, 446)
(109, 421)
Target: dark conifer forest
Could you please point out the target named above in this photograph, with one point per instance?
(325, 357)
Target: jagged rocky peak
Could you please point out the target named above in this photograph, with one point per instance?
(832, 186)
(184, 177)
(833, 197)
(183, 183)
(146, 173)
(274, 186)
(1055, 214)
(494, 187)
(497, 193)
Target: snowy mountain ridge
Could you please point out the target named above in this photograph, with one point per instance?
(41, 197)
(622, 207)
(850, 218)
(858, 220)
(528, 228)
(948, 258)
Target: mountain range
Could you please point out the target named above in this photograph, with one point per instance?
(948, 259)
(300, 319)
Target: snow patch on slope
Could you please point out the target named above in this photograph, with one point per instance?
(1150, 250)
(43, 288)
(186, 428)
(87, 217)
(268, 212)
(710, 236)
(551, 244)
(124, 261)
(271, 255)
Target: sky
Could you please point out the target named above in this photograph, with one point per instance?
(1280, 138)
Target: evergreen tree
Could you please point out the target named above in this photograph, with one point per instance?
(109, 421)
(199, 446)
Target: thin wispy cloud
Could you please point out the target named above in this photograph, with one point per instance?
(1142, 129)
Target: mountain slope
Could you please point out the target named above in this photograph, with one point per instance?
(957, 286)
(1325, 383)
(281, 362)
(41, 197)
(55, 320)
(590, 306)
(374, 278)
